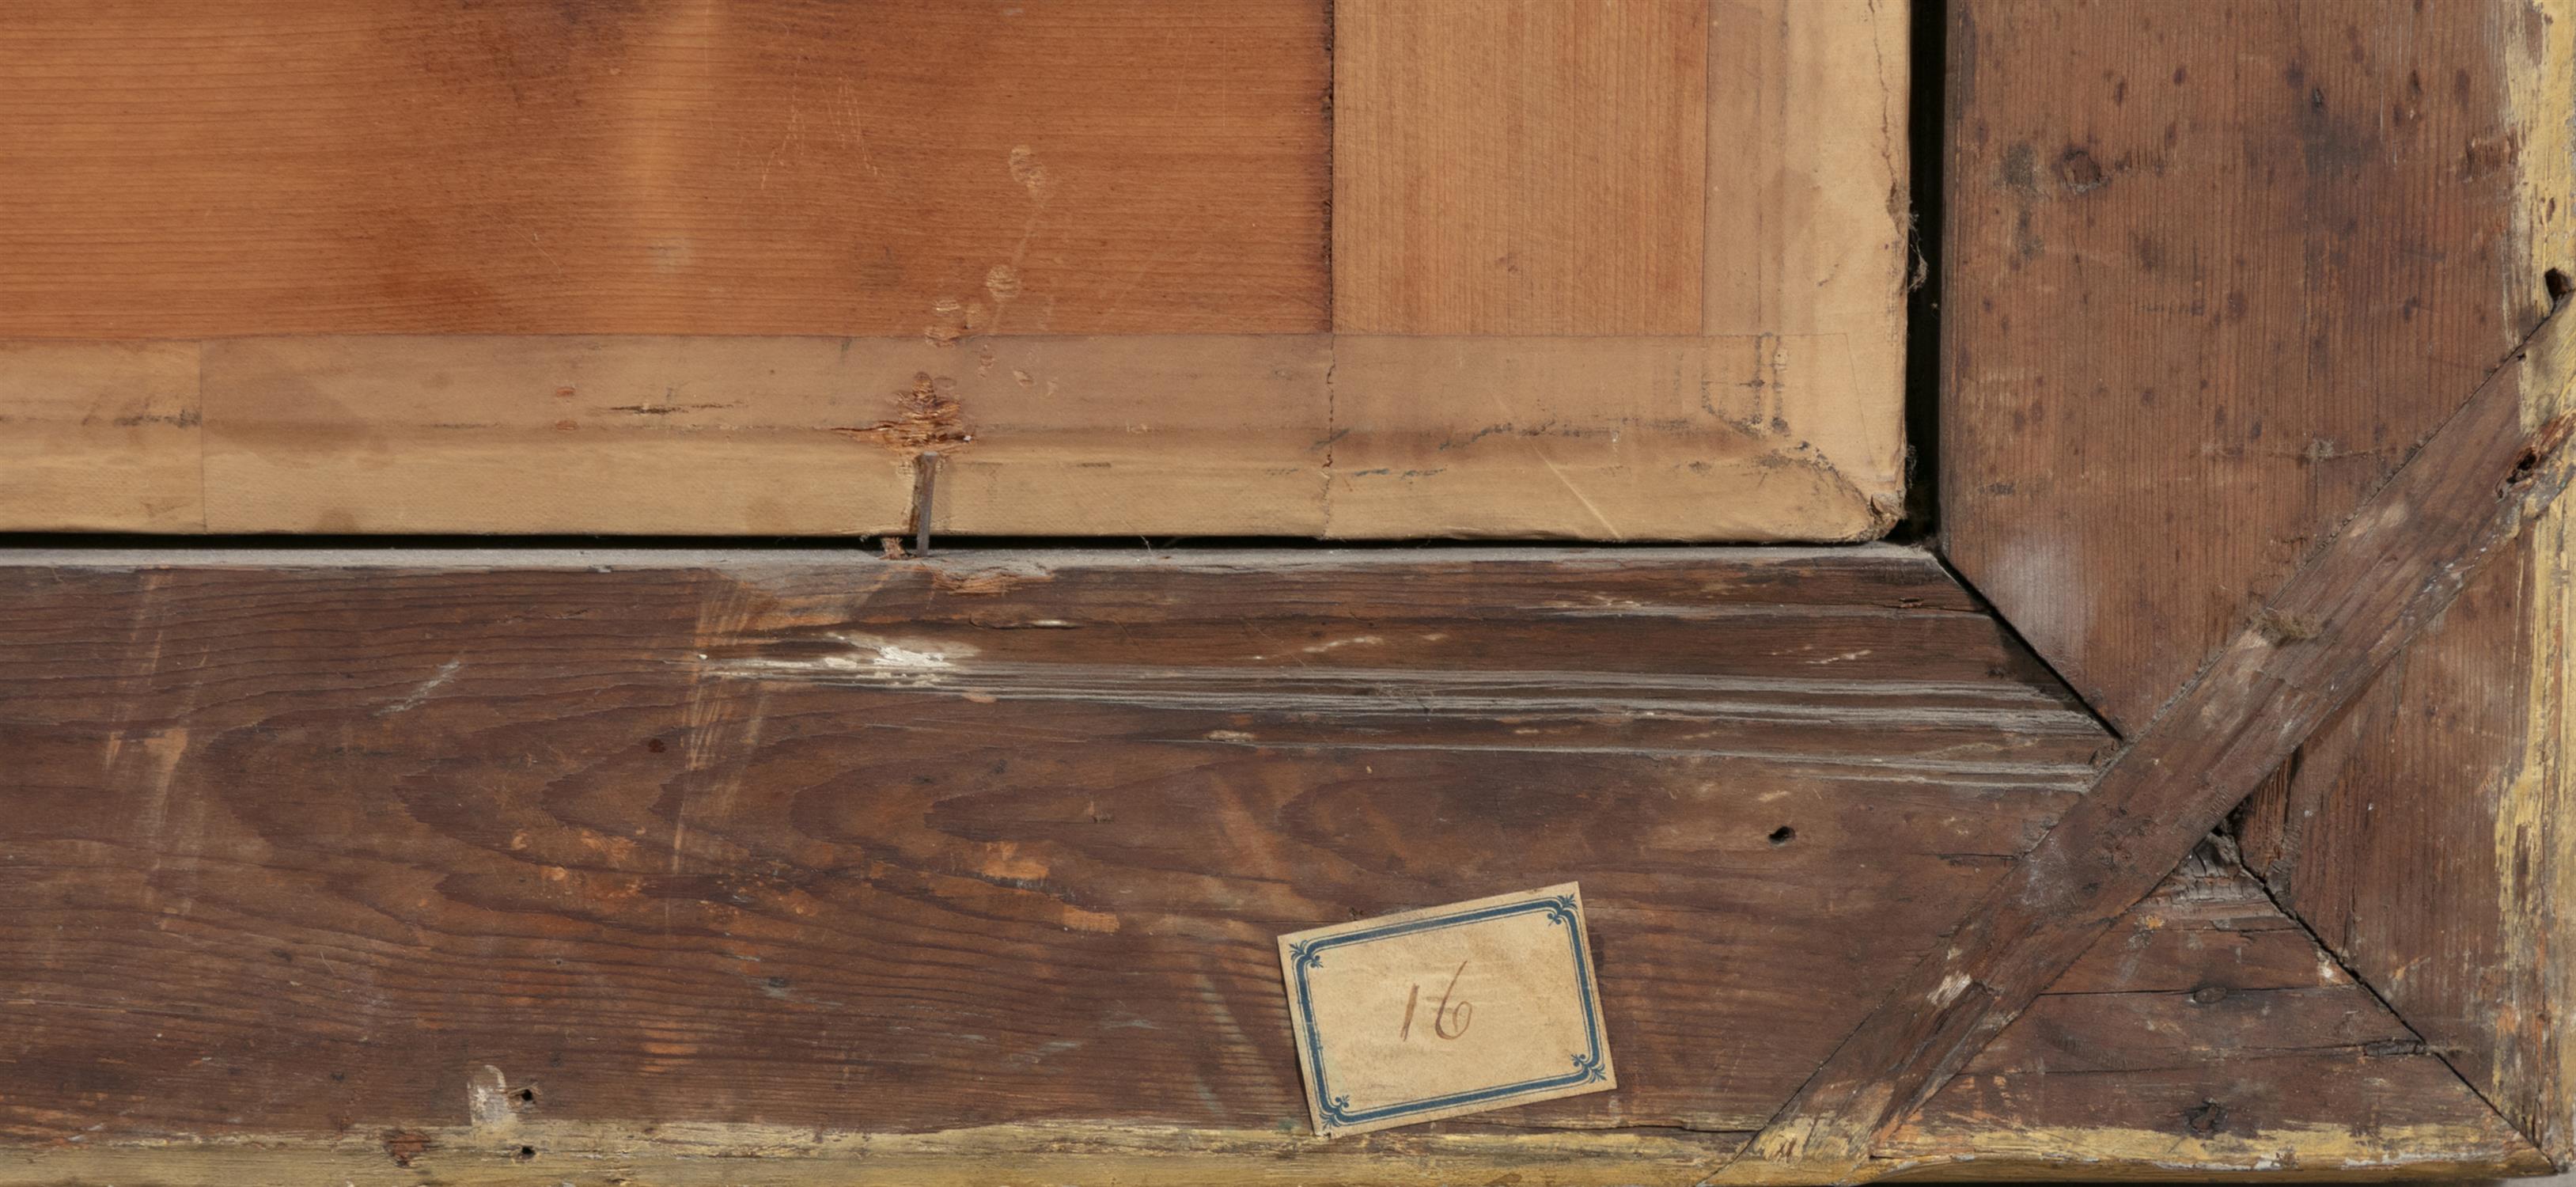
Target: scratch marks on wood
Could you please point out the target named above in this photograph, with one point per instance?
(1125, 1152)
(488, 1100)
(412, 700)
(986, 579)
(983, 842)
(1637, 438)
(2206, 1031)
(859, 660)
(2397, 565)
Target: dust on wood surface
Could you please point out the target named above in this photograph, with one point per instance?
(2180, 1069)
(893, 847)
(2459, 501)
(377, 864)
(2214, 270)
(2207, 1032)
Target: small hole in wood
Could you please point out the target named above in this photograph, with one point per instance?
(2559, 286)
(527, 1096)
(526, 1153)
(1783, 835)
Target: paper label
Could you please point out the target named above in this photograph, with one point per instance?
(1444, 1011)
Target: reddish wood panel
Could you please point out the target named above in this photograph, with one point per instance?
(816, 841)
(1521, 166)
(586, 268)
(895, 168)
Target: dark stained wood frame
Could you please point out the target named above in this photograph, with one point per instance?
(2381, 575)
(2394, 566)
(2215, 279)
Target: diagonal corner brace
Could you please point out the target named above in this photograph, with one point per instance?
(2359, 599)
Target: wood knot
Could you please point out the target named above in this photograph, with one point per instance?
(2205, 1119)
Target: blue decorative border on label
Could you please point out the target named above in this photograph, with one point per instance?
(1586, 1066)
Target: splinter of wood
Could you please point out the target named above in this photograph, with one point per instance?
(2358, 600)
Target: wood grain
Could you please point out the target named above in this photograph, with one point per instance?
(2121, 1064)
(1609, 439)
(902, 167)
(781, 1156)
(575, 270)
(2263, 277)
(101, 437)
(1808, 220)
(2449, 771)
(734, 435)
(820, 842)
(2389, 570)
(1350, 438)
(1519, 166)
(2200, 301)
(2207, 1032)
(2454, 765)
(1526, 348)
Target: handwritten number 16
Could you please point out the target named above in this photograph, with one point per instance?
(1463, 1012)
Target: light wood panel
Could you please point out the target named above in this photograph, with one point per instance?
(1619, 271)
(711, 435)
(901, 167)
(101, 437)
(1609, 438)
(1313, 435)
